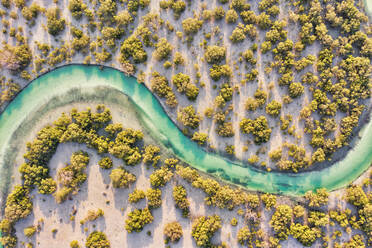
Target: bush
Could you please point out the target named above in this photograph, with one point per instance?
(132, 48)
(218, 71)
(55, 23)
(75, 244)
(173, 231)
(237, 35)
(123, 18)
(187, 173)
(356, 196)
(121, 178)
(153, 198)
(18, 204)
(76, 8)
(218, 13)
(318, 199)
(298, 211)
(72, 176)
(160, 85)
(180, 198)
(199, 137)
(231, 16)
(251, 104)
(150, 155)
(188, 117)
(97, 240)
(47, 186)
(225, 129)
(215, 54)
(244, 236)
(258, 127)
(105, 163)
(162, 49)
(281, 221)
(62, 194)
(137, 219)
(248, 55)
(29, 231)
(107, 10)
(248, 17)
(203, 229)
(161, 176)
(178, 7)
(22, 57)
(125, 146)
(296, 89)
(304, 234)
(226, 92)
(181, 80)
(273, 108)
(269, 200)
(92, 215)
(191, 25)
(136, 196)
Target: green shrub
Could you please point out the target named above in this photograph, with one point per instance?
(136, 196)
(191, 25)
(121, 178)
(47, 186)
(296, 89)
(188, 117)
(269, 200)
(105, 163)
(173, 231)
(97, 240)
(55, 23)
(203, 229)
(180, 198)
(150, 155)
(18, 204)
(162, 49)
(199, 137)
(75, 244)
(153, 198)
(76, 8)
(137, 219)
(258, 127)
(273, 108)
(132, 48)
(244, 236)
(29, 231)
(281, 221)
(215, 54)
(161, 176)
(318, 199)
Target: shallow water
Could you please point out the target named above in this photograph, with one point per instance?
(159, 125)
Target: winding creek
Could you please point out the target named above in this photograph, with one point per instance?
(161, 127)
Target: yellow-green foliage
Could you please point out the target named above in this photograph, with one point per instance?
(203, 229)
(29, 231)
(121, 178)
(137, 219)
(173, 231)
(318, 199)
(153, 198)
(97, 240)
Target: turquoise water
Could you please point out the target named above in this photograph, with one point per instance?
(164, 130)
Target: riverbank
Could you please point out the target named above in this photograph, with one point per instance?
(153, 116)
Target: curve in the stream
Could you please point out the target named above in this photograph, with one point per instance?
(159, 125)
